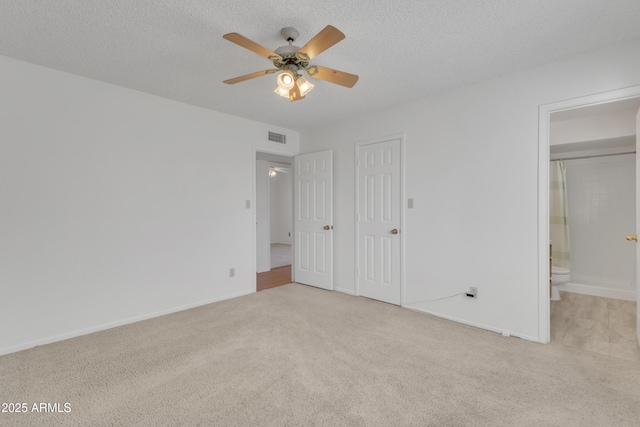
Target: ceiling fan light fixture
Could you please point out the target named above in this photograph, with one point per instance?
(286, 80)
(304, 85)
(295, 94)
(282, 92)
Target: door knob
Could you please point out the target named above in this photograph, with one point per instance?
(394, 231)
(634, 238)
(328, 227)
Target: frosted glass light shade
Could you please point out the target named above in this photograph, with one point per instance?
(286, 80)
(282, 92)
(304, 85)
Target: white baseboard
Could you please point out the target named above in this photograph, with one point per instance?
(105, 326)
(598, 291)
(476, 325)
(345, 291)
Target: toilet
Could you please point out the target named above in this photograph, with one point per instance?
(559, 276)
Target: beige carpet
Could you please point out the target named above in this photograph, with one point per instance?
(298, 356)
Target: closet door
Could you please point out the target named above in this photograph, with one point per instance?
(313, 219)
(379, 221)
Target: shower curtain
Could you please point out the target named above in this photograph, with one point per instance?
(559, 215)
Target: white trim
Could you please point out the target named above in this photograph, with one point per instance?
(356, 180)
(504, 332)
(598, 291)
(400, 136)
(544, 307)
(403, 222)
(105, 326)
(345, 291)
(544, 114)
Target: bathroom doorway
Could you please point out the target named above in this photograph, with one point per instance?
(576, 110)
(595, 146)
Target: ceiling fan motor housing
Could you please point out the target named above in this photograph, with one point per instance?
(289, 59)
(283, 50)
(290, 34)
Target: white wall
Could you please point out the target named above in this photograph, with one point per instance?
(281, 205)
(602, 211)
(472, 169)
(115, 206)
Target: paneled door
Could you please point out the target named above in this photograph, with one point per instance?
(313, 219)
(378, 220)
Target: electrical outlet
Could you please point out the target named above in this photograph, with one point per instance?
(473, 292)
(232, 272)
(410, 203)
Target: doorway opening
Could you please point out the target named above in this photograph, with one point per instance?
(274, 220)
(595, 146)
(555, 123)
(592, 208)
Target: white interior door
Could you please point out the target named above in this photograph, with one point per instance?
(379, 220)
(313, 219)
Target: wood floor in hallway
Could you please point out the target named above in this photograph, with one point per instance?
(276, 277)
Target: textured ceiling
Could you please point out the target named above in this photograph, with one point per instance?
(402, 50)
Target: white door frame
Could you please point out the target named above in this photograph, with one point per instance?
(254, 199)
(403, 229)
(544, 114)
(263, 217)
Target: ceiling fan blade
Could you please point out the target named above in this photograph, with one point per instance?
(322, 41)
(334, 76)
(241, 40)
(249, 76)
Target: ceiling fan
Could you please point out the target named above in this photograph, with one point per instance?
(292, 60)
(275, 170)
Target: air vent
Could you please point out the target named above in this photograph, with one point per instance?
(277, 137)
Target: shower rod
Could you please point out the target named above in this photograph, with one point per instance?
(593, 155)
